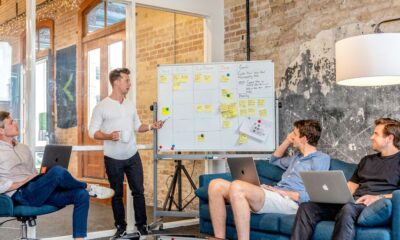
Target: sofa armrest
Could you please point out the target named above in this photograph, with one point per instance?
(396, 215)
(205, 179)
(6, 206)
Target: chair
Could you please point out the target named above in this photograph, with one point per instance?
(24, 214)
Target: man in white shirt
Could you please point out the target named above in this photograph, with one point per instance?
(115, 120)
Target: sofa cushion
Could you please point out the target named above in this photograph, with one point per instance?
(202, 193)
(347, 168)
(367, 233)
(378, 213)
(268, 173)
(286, 224)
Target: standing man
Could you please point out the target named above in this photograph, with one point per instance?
(55, 188)
(115, 120)
(284, 197)
(376, 177)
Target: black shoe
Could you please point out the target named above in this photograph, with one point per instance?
(119, 233)
(142, 229)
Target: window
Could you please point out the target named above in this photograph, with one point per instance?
(104, 15)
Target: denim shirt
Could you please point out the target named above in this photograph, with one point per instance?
(291, 180)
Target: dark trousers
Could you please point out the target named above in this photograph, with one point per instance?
(58, 188)
(133, 169)
(309, 214)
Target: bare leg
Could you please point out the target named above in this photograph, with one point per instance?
(245, 197)
(218, 194)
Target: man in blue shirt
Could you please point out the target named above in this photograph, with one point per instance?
(282, 198)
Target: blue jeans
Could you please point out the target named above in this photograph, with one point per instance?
(58, 188)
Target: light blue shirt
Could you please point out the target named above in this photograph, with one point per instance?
(291, 180)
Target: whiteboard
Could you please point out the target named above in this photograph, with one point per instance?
(216, 107)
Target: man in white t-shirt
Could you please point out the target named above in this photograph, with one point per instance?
(115, 120)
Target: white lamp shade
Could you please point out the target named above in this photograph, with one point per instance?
(368, 60)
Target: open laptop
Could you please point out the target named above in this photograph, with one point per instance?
(244, 168)
(327, 187)
(54, 155)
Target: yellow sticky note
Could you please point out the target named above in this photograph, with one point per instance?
(198, 77)
(165, 111)
(226, 94)
(226, 124)
(163, 79)
(201, 138)
(261, 102)
(199, 108)
(224, 78)
(251, 111)
(184, 78)
(242, 138)
(176, 77)
(208, 108)
(207, 78)
(243, 112)
(243, 103)
(176, 86)
(251, 103)
(223, 108)
(263, 113)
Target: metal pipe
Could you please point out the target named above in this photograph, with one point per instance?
(248, 49)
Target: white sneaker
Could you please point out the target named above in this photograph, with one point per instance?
(100, 192)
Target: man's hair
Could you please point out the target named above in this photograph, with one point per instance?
(391, 127)
(115, 74)
(3, 115)
(309, 128)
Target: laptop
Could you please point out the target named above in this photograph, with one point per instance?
(54, 155)
(327, 187)
(244, 168)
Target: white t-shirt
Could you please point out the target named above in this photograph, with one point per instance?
(111, 115)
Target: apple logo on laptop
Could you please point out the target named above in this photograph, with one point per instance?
(242, 172)
(325, 187)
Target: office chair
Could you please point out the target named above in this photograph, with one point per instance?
(24, 214)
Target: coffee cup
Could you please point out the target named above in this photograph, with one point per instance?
(125, 136)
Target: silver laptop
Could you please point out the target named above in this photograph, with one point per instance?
(244, 168)
(327, 187)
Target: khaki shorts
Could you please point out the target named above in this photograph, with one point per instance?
(276, 203)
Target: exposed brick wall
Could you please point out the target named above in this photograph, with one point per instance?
(299, 37)
(159, 41)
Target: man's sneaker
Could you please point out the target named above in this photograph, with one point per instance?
(100, 192)
(121, 232)
(142, 229)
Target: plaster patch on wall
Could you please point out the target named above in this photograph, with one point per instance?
(347, 114)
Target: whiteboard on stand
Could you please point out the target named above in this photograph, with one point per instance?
(217, 107)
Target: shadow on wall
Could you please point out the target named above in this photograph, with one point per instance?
(308, 90)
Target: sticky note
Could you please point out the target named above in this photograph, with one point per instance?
(207, 78)
(208, 108)
(263, 113)
(226, 124)
(242, 138)
(198, 77)
(201, 138)
(176, 86)
(199, 108)
(227, 94)
(251, 103)
(229, 110)
(243, 103)
(224, 78)
(184, 78)
(165, 111)
(243, 112)
(163, 79)
(261, 102)
(251, 111)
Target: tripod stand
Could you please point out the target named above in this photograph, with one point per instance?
(177, 181)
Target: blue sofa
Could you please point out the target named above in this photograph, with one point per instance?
(278, 226)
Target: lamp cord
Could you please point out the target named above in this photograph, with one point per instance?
(377, 27)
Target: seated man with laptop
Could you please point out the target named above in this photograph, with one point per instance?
(55, 187)
(376, 177)
(246, 197)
